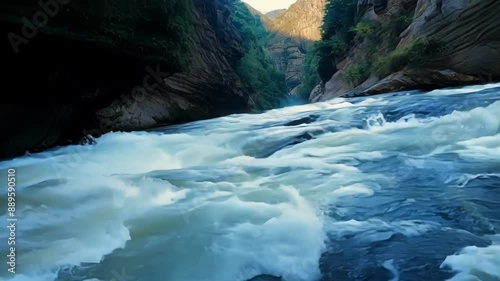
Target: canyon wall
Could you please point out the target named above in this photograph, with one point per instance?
(412, 44)
(77, 67)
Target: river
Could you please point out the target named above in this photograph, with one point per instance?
(401, 186)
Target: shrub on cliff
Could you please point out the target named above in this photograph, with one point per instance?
(358, 73)
(366, 28)
(310, 74)
(418, 53)
(332, 47)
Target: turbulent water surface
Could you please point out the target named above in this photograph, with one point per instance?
(402, 186)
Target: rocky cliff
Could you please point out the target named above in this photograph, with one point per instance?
(293, 32)
(209, 86)
(274, 14)
(266, 20)
(73, 67)
(302, 20)
(397, 45)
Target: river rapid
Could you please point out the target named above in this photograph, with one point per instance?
(403, 186)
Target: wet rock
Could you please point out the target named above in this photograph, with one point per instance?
(302, 138)
(417, 79)
(266, 278)
(88, 140)
(305, 120)
(265, 148)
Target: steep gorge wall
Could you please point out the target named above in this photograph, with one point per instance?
(288, 55)
(209, 86)
(457, 41)
(468, 29)
(110, 65)
(293, 33)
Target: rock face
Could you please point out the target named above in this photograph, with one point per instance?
(466, 31)
(469, 29)
(288, 55)
(266, 20)
(416, 79)
(131, 73)
(302, 20)
(209, 87)
(366, 5)
(274, 14)
(294, 30)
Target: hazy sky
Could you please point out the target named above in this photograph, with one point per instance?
(265, 6)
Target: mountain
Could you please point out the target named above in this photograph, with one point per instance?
(264, 18)
(302, 20)
(274, 14)
(376, 46)
(99, 66)
(293, 34)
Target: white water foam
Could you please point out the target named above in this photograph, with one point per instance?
(475, 263)
(195, 198)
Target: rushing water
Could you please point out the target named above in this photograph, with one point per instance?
(401, 186)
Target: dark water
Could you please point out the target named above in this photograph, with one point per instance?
(402, 186)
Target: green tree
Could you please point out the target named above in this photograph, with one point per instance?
(310, 76)
(338, 19)
(256, 69)
(336, 34)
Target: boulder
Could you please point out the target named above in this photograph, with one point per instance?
(416, 79)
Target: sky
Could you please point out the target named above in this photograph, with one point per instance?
(265, 6)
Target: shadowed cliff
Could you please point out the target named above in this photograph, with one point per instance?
(100, 66)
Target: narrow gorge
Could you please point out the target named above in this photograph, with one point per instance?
(208, 140)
